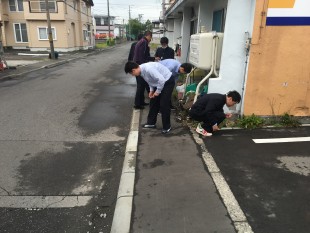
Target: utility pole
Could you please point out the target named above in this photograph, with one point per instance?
(129, 32)
(140, 17)
(163, 15)
(50, 35)
(123, 30)
(108, 18)
(2, 59)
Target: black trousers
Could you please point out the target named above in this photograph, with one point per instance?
(162, 103)
(209, 119)
(141, 87)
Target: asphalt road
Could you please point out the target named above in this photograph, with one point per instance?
(62, 141)
(271, 181)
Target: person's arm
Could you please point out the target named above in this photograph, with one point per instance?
(157, 56)
(157, 52)
(139, 53)
(148, 55)
(159, 79)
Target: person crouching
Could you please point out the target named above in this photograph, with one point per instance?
(209, 110)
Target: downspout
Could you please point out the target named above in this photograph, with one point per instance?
(247, 51)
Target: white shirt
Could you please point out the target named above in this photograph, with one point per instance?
(173, 65)
(155, 74)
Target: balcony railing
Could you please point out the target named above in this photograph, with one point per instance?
(39, 6)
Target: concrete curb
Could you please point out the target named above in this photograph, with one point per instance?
(234, 211)
(123, 209)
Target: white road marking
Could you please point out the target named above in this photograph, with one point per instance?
(233, 208)
(281, 140)
(41, 202)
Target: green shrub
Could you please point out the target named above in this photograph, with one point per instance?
(250, 122)
(110, 42)
(289, 121)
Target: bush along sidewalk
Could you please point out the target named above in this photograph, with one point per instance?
(254, 122)
(244, 122)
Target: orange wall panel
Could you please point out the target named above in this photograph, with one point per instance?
(278, 79)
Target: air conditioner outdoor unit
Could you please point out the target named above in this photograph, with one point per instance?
(201, 47)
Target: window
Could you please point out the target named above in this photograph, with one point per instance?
(51, 6)
(218, 20)
(85, 35)
(16, 5)
(20, 30)
(43, 33)
(98, 21)
(193, 27)
(39, 6)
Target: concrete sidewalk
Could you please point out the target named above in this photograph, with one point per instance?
(175, 188)
(174, 192)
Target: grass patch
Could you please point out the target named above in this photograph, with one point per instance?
(101, 45)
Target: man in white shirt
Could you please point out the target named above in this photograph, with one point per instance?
(176, 67)
(161, 82)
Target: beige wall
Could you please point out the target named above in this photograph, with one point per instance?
(61, 35)
(279, 69)
(67, 36)
(60, 15)
(16, 17)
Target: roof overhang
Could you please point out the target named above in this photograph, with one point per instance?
(177, 8)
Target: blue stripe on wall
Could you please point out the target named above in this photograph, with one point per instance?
(288, 21)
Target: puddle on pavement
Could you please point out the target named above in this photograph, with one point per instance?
(297, 164)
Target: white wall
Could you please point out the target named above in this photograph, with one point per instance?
(205, 12)
(185, 32)
(205, 15)
(177, 32)
(239, 20)
(170, 32)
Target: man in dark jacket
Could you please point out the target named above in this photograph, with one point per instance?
(164, 52)
(132, 48)
(142, 55)
(209, 110)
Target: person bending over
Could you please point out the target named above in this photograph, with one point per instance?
(176, 68)
(209, 110)
(161, 83)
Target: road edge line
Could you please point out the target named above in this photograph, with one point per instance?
(123, 208)
(233, 208)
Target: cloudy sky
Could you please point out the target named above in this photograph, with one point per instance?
(150, 9)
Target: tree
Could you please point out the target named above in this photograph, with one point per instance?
(148, 25)
(135, 27)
